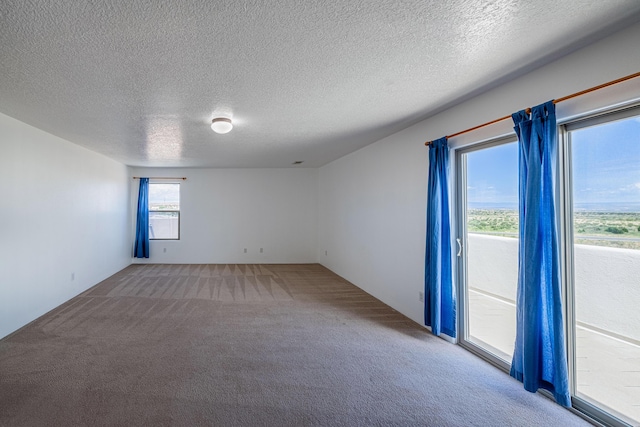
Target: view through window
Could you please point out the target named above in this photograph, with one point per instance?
(164, 211)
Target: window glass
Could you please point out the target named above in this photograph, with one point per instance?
(164, 211)
(492, 247)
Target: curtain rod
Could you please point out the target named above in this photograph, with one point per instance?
(555, 101)
(184, 178)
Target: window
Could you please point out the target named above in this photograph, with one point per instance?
(164, 211)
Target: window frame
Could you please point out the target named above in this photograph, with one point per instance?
(156, 182)
(461, 261)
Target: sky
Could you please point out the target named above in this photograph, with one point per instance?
(607, 163)
(164, 193)
(492, 176)
(605, 167)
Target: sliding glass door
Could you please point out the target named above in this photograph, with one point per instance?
(488, 246)
(603, 179)
(599, 223)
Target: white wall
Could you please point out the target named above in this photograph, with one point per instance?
(606, 281)
(607, 291)
(64, 221)
(492, 265)
(371, 221)
(372, 202)
(224, 211)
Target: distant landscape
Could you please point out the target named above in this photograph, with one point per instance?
(618, 229)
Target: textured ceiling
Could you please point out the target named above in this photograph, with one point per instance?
(140, 80)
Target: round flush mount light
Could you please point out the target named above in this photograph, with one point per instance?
(221, 125)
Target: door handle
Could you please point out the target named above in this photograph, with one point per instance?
(459, 247)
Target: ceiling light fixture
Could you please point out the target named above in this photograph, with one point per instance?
(221, 125)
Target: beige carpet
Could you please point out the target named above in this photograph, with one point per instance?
(247, 345)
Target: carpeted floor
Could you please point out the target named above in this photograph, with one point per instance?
(248, 345)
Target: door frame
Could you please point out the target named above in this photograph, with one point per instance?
(461, 247)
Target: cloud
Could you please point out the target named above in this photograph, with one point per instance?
(626, 189)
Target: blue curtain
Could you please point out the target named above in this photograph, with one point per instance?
(440, 306)
(141, 248)
(539, 358)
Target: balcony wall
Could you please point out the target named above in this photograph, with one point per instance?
(607, 281)
(163, 228)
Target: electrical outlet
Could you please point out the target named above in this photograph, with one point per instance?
(421, 296)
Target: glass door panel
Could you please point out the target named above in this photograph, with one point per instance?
(490, 212)
(605, 165)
